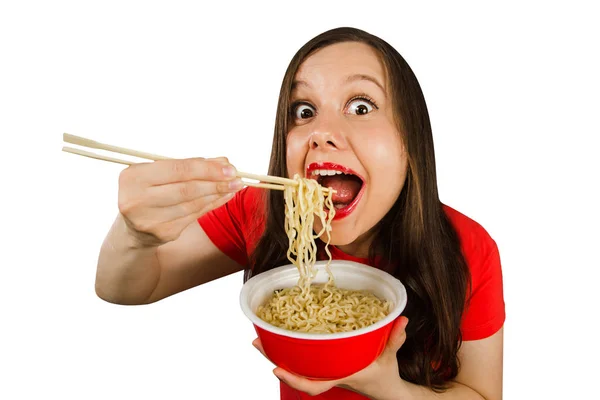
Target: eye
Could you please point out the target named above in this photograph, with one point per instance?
(360, 106)
(303, 111)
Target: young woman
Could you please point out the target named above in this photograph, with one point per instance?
(349, 102)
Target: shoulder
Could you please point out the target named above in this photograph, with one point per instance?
(248, 195)
(485, 309)
(474, 238)
(478, 247)
(247, 200)
(250, 207)
(252, 194)
(241, 213)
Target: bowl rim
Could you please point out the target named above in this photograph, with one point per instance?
(395, 313)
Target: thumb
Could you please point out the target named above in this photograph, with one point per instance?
(397, 335)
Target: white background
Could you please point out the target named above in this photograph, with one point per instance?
(512, 91)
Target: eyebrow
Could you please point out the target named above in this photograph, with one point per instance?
(363, 77)
(295, 84)
(350, 79)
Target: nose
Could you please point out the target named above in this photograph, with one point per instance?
(328, 135)
(322, 141)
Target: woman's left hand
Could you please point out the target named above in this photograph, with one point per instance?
(381, 375)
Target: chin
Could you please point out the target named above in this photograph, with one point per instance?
(341, 238)
(339, 241)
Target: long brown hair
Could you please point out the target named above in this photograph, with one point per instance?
(415, 240)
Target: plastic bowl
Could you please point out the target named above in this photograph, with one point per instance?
(317, 355)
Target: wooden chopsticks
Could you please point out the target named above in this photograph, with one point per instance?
(81, 141)
(274, 182)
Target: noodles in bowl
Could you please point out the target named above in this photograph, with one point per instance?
(319, 308)
(317, 355)
(324, 309)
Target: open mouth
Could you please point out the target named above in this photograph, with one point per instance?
(348, 185)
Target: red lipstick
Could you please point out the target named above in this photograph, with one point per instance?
(342, 212)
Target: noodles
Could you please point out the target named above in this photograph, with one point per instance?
(317, 308)
(302, 202)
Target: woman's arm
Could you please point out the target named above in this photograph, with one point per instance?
(156, 246)
(129, 273)
(480, 375)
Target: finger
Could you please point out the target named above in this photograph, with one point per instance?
(181, 192)
(211, 203)
(170, 171)
(312, 388)
(216, 203)
(397, 335)
(191, 208)
(257, 343)
(157, 218)
(173, 228)
(220, 159)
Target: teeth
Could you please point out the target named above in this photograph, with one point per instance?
(326, 172)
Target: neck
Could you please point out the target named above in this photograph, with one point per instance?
(354, 250)
(359, 247)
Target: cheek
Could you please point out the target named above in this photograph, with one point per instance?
(385, 160)
(391, 148)
(295, 154)
(383, 152)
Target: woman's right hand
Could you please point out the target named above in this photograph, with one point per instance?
(159, 200)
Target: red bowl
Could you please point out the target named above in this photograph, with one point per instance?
(318, 355)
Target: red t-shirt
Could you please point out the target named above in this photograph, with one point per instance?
(236, 227)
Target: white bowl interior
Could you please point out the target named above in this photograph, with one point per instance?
(347, 275)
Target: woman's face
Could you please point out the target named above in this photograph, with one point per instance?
(343, 129)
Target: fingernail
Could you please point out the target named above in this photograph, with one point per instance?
(236, 184)
(229, 171)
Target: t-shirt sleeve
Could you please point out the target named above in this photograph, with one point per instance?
(223, 226)
(485, 311)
